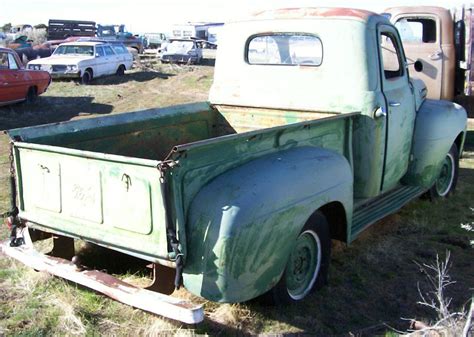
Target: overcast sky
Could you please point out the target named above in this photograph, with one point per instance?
(154, 16)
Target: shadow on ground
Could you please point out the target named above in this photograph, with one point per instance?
(50, 109)
(137, 76)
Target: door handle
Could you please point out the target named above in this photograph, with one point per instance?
(380, 112)
(394, 103)
(436, 55)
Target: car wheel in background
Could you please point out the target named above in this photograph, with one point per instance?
(120, 70)
(86, 77)
(31, 95)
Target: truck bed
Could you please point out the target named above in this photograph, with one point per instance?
(98, 179)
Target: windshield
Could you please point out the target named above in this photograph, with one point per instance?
(74, 50)
(179, 47)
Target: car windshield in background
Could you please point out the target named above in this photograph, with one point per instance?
(74, 50)
(285, 49)
(180, 47)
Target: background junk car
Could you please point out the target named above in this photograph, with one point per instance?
(85, 60)
(17, 83)
(182, 51)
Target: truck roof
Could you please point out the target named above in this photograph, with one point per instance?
(314, 12)
(83, 43)
(440, 11)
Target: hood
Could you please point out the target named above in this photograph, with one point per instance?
(66, 60)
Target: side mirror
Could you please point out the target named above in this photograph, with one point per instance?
(418, 66)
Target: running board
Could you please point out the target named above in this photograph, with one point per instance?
(160, 304)
(386, 204)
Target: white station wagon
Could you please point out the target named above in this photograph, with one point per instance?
(85, 60)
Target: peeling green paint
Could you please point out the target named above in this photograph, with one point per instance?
(246, 178)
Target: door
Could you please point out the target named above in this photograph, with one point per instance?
(100, 62)
(111, 59)
(422, 42)
(399, 104)
(13, 83)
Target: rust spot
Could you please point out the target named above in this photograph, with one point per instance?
(295, 13)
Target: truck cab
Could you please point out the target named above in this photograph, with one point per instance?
(438, 47)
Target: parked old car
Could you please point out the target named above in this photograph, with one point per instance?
(18, 84)
(85, 60)
(181, 51)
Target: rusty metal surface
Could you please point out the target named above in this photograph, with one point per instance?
(163, 279)
(297, 13)
(167, 306)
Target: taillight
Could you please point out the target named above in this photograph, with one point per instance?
(9, 221)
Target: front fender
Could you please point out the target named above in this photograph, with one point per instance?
(242, 225)
(438, 124)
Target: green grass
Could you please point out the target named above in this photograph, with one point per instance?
(372, 283)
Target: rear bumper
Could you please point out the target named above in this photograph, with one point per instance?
(154, 302)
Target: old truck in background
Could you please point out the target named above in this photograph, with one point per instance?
(62, 29)
(438, 45)
(118, 33)
(240, 197)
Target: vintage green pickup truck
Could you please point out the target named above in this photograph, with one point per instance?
(314, 131)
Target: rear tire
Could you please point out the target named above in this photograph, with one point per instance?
(86, 77)
(308, 264)
(445, 184)
(120, 70)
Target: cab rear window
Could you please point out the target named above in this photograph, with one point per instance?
(285, 49)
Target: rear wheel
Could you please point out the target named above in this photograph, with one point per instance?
(120, 70)
(86, 77)
(32, 95)
(448, 177)
(308, 264)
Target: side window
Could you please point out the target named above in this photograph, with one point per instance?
(3, 60)
(108, 51)
(119, 49)
(12, 62)
(390, 56)
(285, 49)
(417, 30)
(99, 51)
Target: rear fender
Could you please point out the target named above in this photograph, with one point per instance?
(242, 225)
(438, 125)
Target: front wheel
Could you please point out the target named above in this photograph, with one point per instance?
(308, 264)
(448, 177)
(86, 77)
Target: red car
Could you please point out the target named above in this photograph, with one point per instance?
(17, 83)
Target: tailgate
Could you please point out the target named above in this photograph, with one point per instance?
(108, 199)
